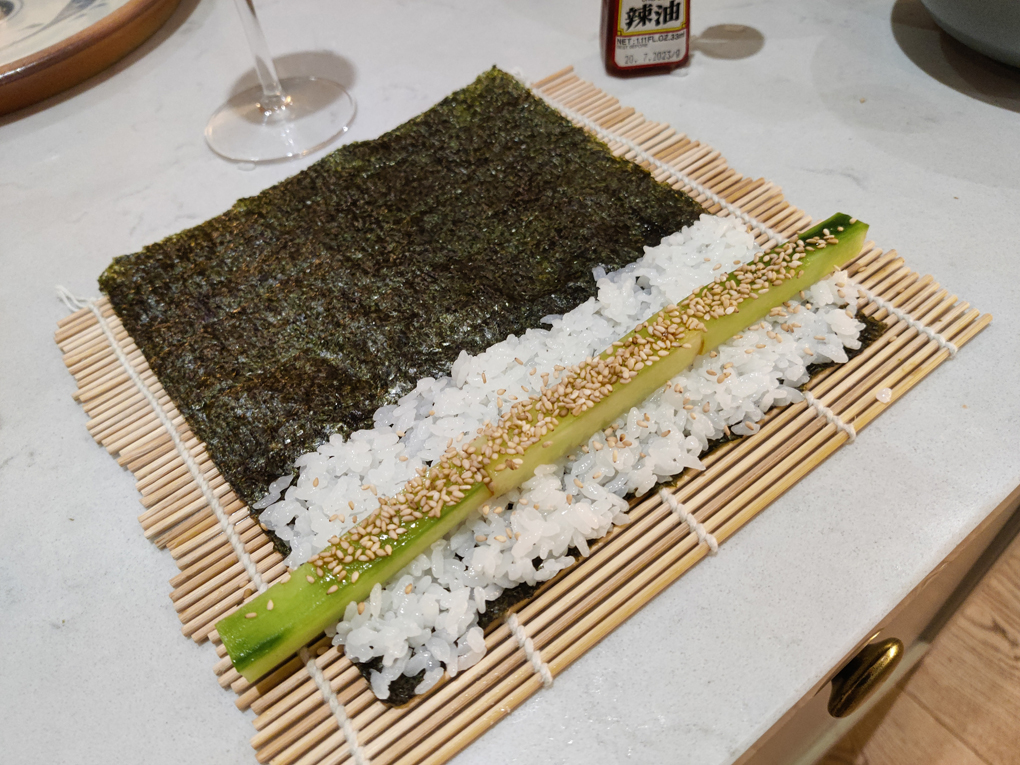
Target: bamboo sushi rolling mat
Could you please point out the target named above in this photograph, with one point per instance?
(317, 709)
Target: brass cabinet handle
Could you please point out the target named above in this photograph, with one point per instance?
(863, 675)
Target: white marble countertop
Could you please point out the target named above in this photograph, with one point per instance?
(861, 107)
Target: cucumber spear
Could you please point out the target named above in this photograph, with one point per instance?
(539, 430)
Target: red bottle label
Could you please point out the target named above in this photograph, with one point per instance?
(650, 34)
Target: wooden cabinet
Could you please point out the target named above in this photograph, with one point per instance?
(807, 730)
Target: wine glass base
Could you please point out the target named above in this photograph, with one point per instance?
(315, 112)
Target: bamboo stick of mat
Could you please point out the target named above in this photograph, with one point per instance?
(577, 608)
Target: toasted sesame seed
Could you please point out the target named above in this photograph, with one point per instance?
(250, 615)
(310, 578)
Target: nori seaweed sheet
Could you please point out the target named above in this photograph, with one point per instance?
(299, 312)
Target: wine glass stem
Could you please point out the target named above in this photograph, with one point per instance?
(273, 96)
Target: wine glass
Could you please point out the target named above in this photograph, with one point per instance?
(277, 119)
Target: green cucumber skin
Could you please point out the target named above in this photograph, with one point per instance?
(573, 431)
(816, 266)
(303, 609)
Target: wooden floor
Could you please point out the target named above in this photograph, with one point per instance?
(961, 706)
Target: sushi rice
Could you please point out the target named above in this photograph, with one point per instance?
(426, 618)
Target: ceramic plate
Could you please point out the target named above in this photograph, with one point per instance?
(49, 45)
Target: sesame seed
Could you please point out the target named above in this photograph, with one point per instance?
(269, 606)
(361, 608)
(310, 578)
(250, 615)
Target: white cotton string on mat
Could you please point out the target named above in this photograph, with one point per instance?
(681, 512)
(76, 303)
(830, 416)
(909, 320)
(532, 653)
(609, 136)
(335, 706)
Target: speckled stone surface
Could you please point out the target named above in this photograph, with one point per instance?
(863, 107)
